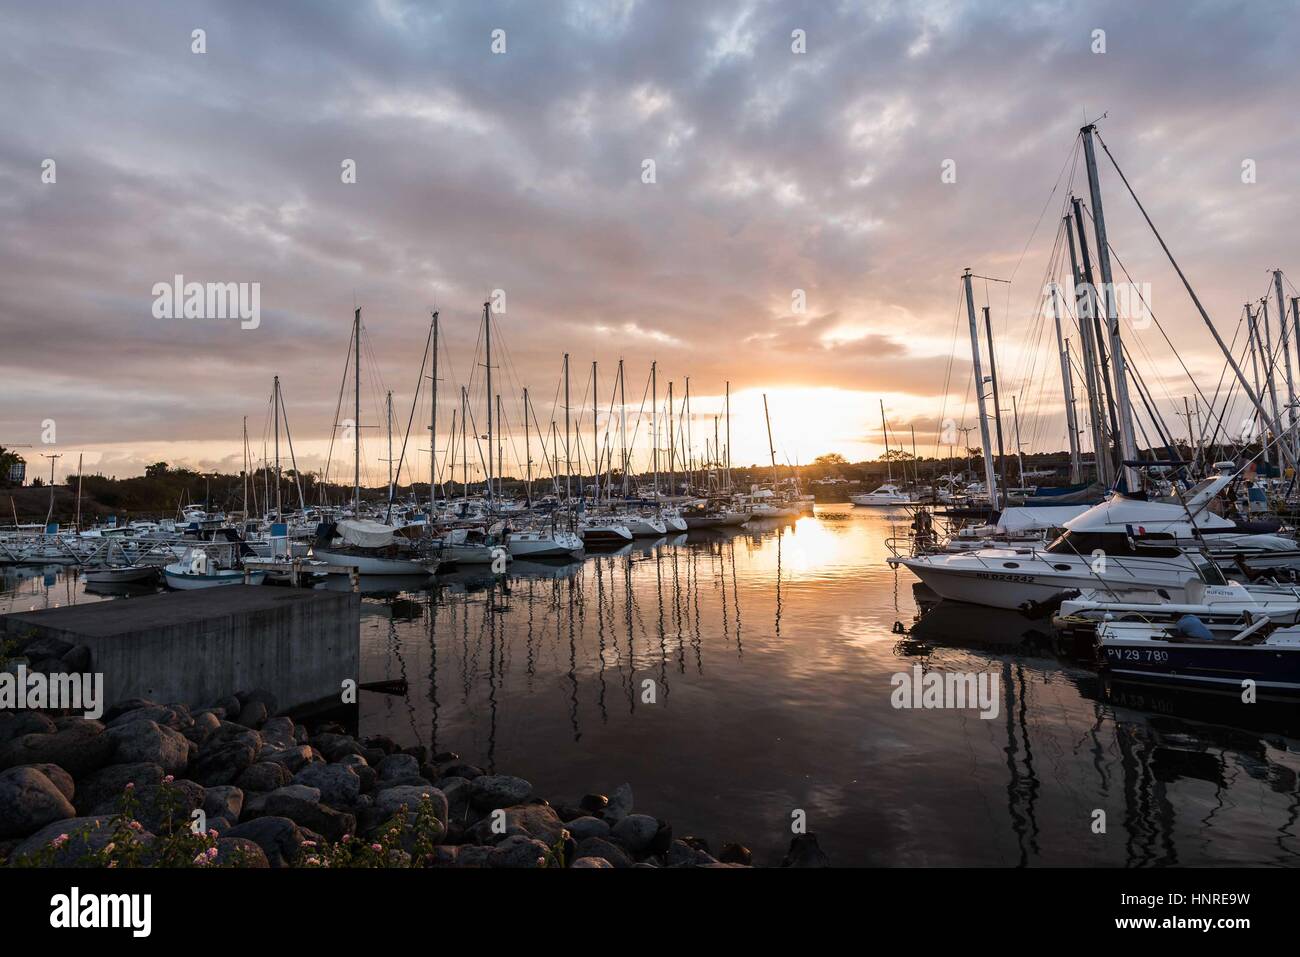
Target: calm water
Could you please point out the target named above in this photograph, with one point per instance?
(770, 653)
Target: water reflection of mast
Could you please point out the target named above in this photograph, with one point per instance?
(573, 664)
(490, 619)
(677, 616)
(779, 534)
(735, 597)
(663, 644)
(433, 671)
(600, 641)
(693, 572)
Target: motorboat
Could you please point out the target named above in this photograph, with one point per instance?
(372, 548)
(119, 574)
(887, 496)
(197, 569)
(539, 543)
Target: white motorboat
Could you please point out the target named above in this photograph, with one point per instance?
(603, 531)
(887, 496)
(645, 526)
(537, 543)
(198, 570)
(372, 548)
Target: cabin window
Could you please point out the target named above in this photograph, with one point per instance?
(1114, 544)
(1010, 564)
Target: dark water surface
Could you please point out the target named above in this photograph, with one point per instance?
(769, 653)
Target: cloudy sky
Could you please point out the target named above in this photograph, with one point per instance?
(524, 171)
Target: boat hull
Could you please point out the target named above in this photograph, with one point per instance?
(1274, 669)
(372, 565)
(185, 581)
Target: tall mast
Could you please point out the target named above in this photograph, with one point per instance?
(672, 445)
(245, 468)
(388, 413)
(622, 424)
(997, 402)
(654, 425)
(1256, 349)
(1124, 410)
(595, 440)
(501, 461)
(279, 512)
(464, 445)
(1015, 421)
(884, 430)
(568, 460)
(487, 340)
(433, 421)
(728, 435)
(1286, 359)
(989, 477)
(528, 455)
(356, 412)
(1091, 387)
(1067, 384)
(770, 447)
(1088, 301)
(690, 448)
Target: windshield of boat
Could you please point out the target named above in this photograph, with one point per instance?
(1114, 543)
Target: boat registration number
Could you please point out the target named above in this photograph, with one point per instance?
(998, 577)
(1136, 654)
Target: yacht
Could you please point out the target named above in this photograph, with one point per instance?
(372, 548)
(887, 496)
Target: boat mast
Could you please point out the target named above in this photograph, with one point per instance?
(464, 446)
(568, 460)
(884, 430)
(501, 459)
(728, 435)
(770, 447)
(245, 468)
(1256, 349)
(1015, 421)
(1067, 384)
(595, 440)
(997, 402)
(487, 340)
(672, 445)
(690, 448)
(388, 411)
(433, 421)
(356, 421)
(622, 424)
(654, 425)
(1119, 368)
(76, 523)
(989, 476)
(1286, 358)
(279, 510)
(528, 456)
(1085, 311)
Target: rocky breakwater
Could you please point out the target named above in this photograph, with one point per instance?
(235, 785)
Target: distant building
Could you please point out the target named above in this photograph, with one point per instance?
(18, 471)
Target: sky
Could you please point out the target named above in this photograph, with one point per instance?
(798, 237)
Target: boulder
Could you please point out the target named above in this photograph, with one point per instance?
(174, 716)
(599, 847)
(335, 746)
(520, 851)
(293, 759)
(142, 741)
(733, 853)
(527, 820)
(636, 832)
(388, 802)
(28, 801)
(301, 805)
(205, 724)
(805, 852)
(223, 802)
(584, 827)
(620, 804)
(239, 852)
(60, 778)
(76, 660)
(398, 766)
(263, 776)
(78, 745)
(338, 784)
(162, 808)
(108, 784)
(15, 725)
(279, 838)
(85, 835)
(490, 791)
(279, 733)
(592, 862)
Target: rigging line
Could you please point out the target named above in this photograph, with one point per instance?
(397, 475)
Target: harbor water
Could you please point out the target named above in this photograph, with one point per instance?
(744, 680)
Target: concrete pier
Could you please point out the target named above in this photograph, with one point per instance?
(196, 647)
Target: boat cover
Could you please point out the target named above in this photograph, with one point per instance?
(365, 534)
(1037, 517)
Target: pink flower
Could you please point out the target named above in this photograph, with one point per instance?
(108, 848)
(169, 779)
(130, 786)
(376, 847)
(59, 841)
(212, 853)
(308, 843)
(313, 860)
(200, 859)
(135, 826)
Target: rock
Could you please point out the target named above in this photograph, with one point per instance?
(338, 784)
(76, 660)
(445, 757)
(239, 852)
(599, 847)
(528, 820)
(293, 759)
(60, 778)
(24, 722)
(225, 755)
(396, 766)
(86, 835)
(144, 741)
(78, 745)
(263, 776)
(636, 832)
(28, 801)
(736, 854)
(224, 802)
(681, 854)
(467, 771)
(119, 708)
(584, 827)
(253, 714)
(805, 852)
(336, 746)
(620, 804)
(259, 695)
(490, 791)
(570, 812)
(383, 742)
(301, 805)
(279, 733)
(474, 855)
(205, 724)
(592, 803)
(174, 716)
(520, 851)
(592, 862)
(228, 706)
(108, 784)
(279, 838)
(388, 802)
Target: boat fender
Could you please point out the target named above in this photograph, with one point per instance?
(1189, 627)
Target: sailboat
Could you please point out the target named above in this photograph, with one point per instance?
(887, 495)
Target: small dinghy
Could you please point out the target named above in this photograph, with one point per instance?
(119, 574)
(197, 570)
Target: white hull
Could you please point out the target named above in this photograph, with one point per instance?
(646, 527)
(371, 565)
(186, 581)
(545, 545)
(120, 576)
(472, 554)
